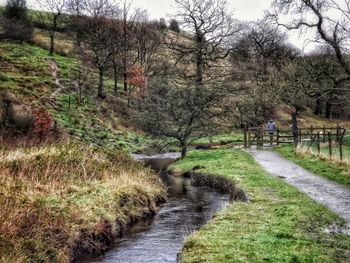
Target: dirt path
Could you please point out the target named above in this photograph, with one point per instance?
(54, 72)
(324, 191)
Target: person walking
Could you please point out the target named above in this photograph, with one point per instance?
(271, 127)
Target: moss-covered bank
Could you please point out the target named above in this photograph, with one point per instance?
(279, 224)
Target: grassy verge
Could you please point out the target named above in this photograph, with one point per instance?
(323, 167)
(58, 202)
(221, 138)
(280, 224)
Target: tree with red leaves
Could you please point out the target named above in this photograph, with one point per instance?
(138, 80)
(42, 122)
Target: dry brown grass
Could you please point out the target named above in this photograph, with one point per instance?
(49, 194)
(63, 45)
(305, 150)
(305, 119)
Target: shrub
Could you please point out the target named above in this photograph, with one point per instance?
(174, 25)
(42, 121)
(16, 22)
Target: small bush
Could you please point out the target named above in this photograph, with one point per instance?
(16, 22)
(42, 121)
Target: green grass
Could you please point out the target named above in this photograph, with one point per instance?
(323, 167)
(233, 137)
(279, 224)
(25, 73)
(25, 69)
(346, 140)
(88, 123)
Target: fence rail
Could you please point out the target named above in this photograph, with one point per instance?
(332, 136)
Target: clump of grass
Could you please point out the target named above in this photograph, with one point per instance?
(322, 165)
(279, 224)
(51, 195)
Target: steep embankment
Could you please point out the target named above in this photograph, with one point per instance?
(61, 202)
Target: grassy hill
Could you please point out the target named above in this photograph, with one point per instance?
(26, 76)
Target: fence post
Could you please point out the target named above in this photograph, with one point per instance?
(324, 133)
(337, 133)
(249, 138)
(341, 137)
(330, 144)
(318, 143)
(260, 138)
(311, 137)
(278, 137)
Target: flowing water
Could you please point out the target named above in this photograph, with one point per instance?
(160, 239)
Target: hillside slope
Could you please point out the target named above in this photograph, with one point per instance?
(64, 200)
(28, 76)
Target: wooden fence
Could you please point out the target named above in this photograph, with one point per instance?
(332, 136)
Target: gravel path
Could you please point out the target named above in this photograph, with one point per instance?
(333, 195)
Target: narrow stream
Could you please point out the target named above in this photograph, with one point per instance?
(160, 239)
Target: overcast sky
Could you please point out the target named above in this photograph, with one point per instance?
(243, 9)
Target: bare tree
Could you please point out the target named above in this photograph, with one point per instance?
(51, 17)
(184, 113)
(76, 10)
(209, 29)
(117, 49)
(330, 18)
(147, 42)
(292, 84)
(266, 47)
(98, 35)
(129, 18)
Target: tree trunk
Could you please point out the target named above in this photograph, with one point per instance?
(129, 97)
(199, 59)
(183, 149)
(318, 107)
(295, 127)
(52, 44)
(199, 73)
(100, 92)
(125, 38)
(125, 77)
(52, 35)
(115, 73)
(328, 109)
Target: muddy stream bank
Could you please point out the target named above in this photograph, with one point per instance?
(159, 239)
